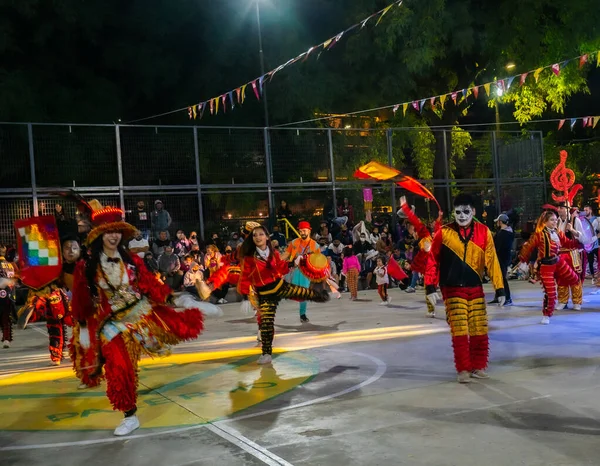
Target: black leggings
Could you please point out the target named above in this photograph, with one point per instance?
(268, 299)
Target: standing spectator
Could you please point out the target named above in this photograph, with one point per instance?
(346, 210)
(170, 268)
(593, 254)
(276, 235)
(503, 241)
(140, 218)
(234, 242)
(361, 247)
(284, 211)
(351, 269)
(161, 220)
(158, 246)
(182, 245)
(139, 245)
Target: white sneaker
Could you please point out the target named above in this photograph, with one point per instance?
(431, 315)
(222, 301)
(383, 303)
(561, 306)
(389, 300)
(577, 307)
(82, 386)
(545, 320)
(265, 359)
(6, 344)
(127, 426)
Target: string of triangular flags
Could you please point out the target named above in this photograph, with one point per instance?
(237, 96)
(501, 86)
(587, 122)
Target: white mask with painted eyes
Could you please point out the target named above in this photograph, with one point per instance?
(463, 214)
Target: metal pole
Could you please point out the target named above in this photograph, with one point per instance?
(393, 186)
(447, 171)
(120, 167)
(198, 183)
(262, 63)
(330, 142)
(496, 167)
(32, 170)
(541, 136)
(268, 163)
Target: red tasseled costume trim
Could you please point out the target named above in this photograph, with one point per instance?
(121, 375)
(480, 351)
(184, 325)
(462, 359)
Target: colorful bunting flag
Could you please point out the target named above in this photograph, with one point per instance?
(464, 93)
(396, 107)
(536, 74)
(231, 100)
(386, 9)
(453, 95)
(500, 85)
(597, 59)
(255, 89)
(523, 78)
(443, 99)
(216, 105)
(561, 123)
(415, 105)
(244, 92)
(194, 112)
(556, 69)
(201, 108)
(212, 108)
(476, 91)
(596, 119)
(190, 112)
(223, 98)
(421, 105)
(585, 121)
(486, 86)
(260, 84)
(432, 102)
(583, 60)
(404, 108)
(509, 81)
(573, 121)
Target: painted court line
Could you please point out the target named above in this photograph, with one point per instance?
(237, 439)
(381, 368)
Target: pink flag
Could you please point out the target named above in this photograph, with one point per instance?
(476, 91)
(556, 69)
(237, 91)
(523, 78)
(415, 105)
(583, 60)
(255, 89)
(561, 123)
(432, 101)
(585, 121)
(453, 95)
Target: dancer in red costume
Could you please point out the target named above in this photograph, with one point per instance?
(553, 268)
(123, 311)
(263, 269)
(460, 253)
(419, 262)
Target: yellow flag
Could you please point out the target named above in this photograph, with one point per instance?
(216, 105)
(326, 43)
(376, 170)
(596, 118)
(443, 99)
(487, 88)
(597, 59)
(244, 92)
(383, 14)
(536, 74)
(404, 107)
(194, 111)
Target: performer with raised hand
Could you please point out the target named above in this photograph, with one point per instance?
(554, 269)
(123, 311)
(263, 270)
(460, 253)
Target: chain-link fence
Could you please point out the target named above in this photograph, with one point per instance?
(212, 179)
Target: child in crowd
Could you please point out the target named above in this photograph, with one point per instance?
(192, 277)
(382, 279)
(351, 269)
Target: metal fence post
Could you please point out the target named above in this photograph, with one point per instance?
(32, 169)
(496, 168)
(269, 166)
(120, 167)
(388, 135)
(330, 142)
(447, 174)
(198, 182)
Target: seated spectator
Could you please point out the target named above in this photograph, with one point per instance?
(361, 247)
(215, 241)
(323, 233)
(374, 237)
(212, 259)
(182, 245)
(169, 267)
(197, 254)
(278, 236)
(192, 277)
(368, 267)
(158, 246)
(186, 263)
(152, 264)
(139, 245)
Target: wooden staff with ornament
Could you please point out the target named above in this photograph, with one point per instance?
(563, 181)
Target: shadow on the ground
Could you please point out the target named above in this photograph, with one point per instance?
(310, 327)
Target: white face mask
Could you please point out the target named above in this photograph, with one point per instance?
(463, 214)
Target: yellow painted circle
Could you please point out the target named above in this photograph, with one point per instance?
(181, 390)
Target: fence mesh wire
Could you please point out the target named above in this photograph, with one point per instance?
(239, 165)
